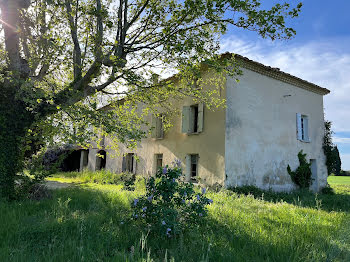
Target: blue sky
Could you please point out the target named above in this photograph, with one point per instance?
(320, 53)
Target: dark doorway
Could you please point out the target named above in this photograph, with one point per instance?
(101, 160)
(71, 162)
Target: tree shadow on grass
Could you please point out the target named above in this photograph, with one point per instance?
(84, 224)
(303, 198)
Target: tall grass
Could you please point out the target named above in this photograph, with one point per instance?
(98, 177)
(90, 222)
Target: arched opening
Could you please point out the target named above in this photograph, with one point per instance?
(101, 160)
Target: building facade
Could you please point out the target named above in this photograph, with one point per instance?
(269, 117)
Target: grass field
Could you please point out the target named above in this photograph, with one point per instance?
(339, 180)
(90, 222)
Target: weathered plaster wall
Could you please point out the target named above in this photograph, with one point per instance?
(209, 145)
(261, 138)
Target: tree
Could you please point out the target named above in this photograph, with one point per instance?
(337, 164)
(333, 161)
(57, 56)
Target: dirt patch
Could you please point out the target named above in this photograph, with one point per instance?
(57, 185)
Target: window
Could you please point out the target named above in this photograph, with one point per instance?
(157, 126)
(128, 163)
(303, 128)
(192, 167)
(159, 161)
(192, 119)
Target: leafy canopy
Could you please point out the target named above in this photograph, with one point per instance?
(65, 57)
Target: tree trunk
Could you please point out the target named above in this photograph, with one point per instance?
(14, 123)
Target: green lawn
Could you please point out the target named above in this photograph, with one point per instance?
(339, 180)
(90, 222)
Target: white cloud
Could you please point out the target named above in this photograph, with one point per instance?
(341, 140)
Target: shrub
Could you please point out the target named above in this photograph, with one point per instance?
(248, 190)
(302, 175)
(170, 205)
(129, 181)
(327, 190)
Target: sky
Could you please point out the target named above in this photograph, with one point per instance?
(319, 53)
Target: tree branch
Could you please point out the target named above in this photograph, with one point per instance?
(77, 51)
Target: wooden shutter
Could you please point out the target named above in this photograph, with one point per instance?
(154, 126)
(200, 120)
(188, 167)
(159, 127)
(124, 164)
(299, 131)
(186, 110)
(306, 129)
(134, 158)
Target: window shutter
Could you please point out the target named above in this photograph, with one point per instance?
(306, 129)
(200, 117)
(159, 127)
(299, 131)
(186, 119)
(188, 167)
(153, 127)
(124, 164)
(161, 135)
(134, 158)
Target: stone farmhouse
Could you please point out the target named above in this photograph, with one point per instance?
(269, 117)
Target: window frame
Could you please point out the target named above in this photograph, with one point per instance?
(158, 156)
(193, 119)
(189, 167)
(157, 131)
(303, 129)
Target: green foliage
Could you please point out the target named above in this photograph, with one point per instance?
(333, 161)
(170, 205)
(91, 222)
(344, 173)
(327, 190)
(302, 175)
(337, 163)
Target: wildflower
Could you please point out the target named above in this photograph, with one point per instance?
(143, 215)
(203, 190)
(136, 216)
(200, 214)
(185, 194)
(198, 198)
(165, 170)
(135, 201)
(163, 223)
(150, 197)
(210, 201)
(183, 201)
(144, 209)
(177, 163)
(173, 180)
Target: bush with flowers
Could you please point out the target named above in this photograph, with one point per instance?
(170, 205)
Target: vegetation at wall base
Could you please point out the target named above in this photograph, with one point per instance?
(91, 222)
(302, 175)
